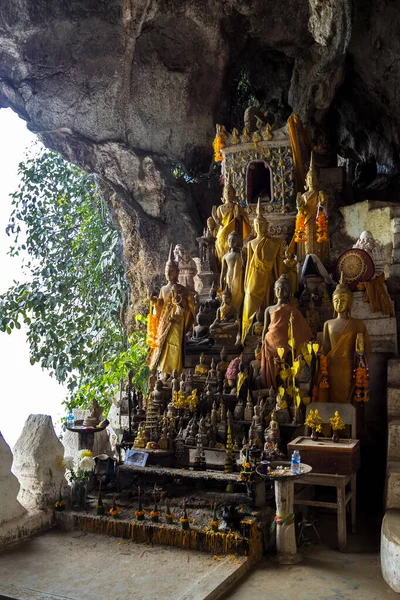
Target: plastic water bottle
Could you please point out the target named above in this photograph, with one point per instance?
(295, 463)
(70, 419)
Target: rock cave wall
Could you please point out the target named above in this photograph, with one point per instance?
(132, 90)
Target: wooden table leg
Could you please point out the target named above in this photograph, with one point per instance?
(285, 532)
(353, 502)
(341, 515)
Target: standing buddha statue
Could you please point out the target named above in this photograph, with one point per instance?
(174, 311)
(264, 266)
(341, 342)
(311, 234)
(232, 270)
(228, 217)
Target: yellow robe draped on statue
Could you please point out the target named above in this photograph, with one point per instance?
(233, 218)
(235, 282)
(341, 363)
(264, 267)
(175, 319)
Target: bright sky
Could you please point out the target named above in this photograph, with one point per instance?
(25, 389)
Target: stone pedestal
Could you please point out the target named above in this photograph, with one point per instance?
(10, 508)
(382, 329)
(38, 456)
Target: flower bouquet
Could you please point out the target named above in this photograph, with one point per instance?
(337, 425)
(314, 421)
(79, 475)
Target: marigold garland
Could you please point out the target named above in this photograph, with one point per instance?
(300, 228)
(322, 227)
(361, 393)
(218, 143)
(152, 328)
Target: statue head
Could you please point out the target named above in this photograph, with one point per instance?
(260, 316)
(312, 176)
(226, 296)
(342, 298)
(171, 268)
(201, 319)
(174, 374)
(282, 288)
(180, 252)
(213, 290)
(234, 240)
(229, 194)
(260, 222)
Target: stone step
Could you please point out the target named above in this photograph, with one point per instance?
(393, 402)
(393, 484)
(390, 549)
(394, 439)
(393, 379)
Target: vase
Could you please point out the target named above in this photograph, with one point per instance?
(335, 436)
(314, 434)
(78, 493)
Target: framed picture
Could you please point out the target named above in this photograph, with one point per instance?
(134, 457)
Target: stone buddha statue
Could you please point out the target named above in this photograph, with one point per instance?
(339, 344)
(264, 266)
(201, 368)
(223, 364)
(213, 302)
(187, 267)
(226, 324)
(275, 335)
(159, 400)
(228, 217)
(232, 270)
(313, 239)
(201, 334)
(258, 325)
(174, 311)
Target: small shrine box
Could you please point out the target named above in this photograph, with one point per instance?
(326, 456)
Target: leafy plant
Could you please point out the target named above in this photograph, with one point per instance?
(75, 284)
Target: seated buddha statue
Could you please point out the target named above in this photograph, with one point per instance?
(275, 335)
(201, 334)
(340, 343)
(226, 324)
(201, 369)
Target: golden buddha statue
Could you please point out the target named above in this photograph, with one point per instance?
(232, 270)
(275, 334)
(290, 268)
(226, 322)
(264, 266)
(342, 338)
(311, 234)
(201, 369)
(228, 217)
(174, 310)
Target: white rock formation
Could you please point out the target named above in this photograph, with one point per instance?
(38, 456)
(10, 508)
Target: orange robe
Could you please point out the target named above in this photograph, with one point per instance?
(341, 364)
(277, 337)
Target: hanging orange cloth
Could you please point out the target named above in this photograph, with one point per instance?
(376, 294)
(301, 149)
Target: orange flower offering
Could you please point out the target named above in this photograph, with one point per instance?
(300, 228)
(361, 393)
(322, 227)
(152, 328)
(323, 366)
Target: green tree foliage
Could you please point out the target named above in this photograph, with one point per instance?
(75, 284)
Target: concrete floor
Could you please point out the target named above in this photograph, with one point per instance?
(80, 566)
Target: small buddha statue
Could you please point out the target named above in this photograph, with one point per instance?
(248, 411)
(212, 373)
(201, 369)
(213, 301)
(187, 267)
(255, 368)
(290, 268)
(226, 320)
(95, 414)
(175, 383)
(201, 333)
(140, 440)
(159, 402)
(339, 345)
(214, 415)
(203, 432)
(232, 270)
(242, 382)
(223, 364)
(258, 324)
(163, 442)
(273, 432)
(239, 411)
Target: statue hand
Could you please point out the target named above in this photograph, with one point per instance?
(322, 198)
(300, 201)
